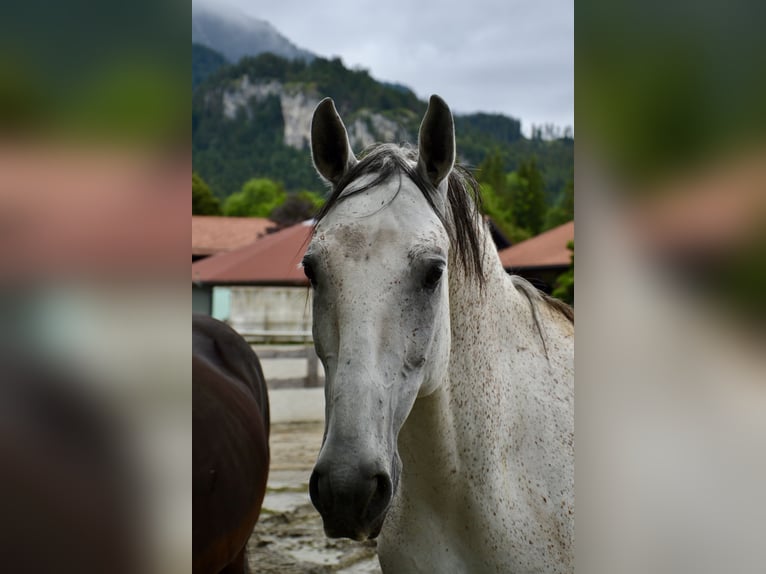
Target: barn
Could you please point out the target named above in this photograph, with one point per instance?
(541, 259)
(212, 235)
(259, 288)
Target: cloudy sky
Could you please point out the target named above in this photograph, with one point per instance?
(508, 56)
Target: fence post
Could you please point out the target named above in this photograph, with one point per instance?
(312, 377)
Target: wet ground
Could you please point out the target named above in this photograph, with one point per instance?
(288, 537)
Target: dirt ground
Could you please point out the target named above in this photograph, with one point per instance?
(288, 537)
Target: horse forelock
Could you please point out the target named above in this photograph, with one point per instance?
(461, 220)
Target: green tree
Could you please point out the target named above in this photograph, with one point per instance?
(203, 200)
(257, 198)
(499, 210)
(496, 197)
(492, 171)
(563, 211)
(527, 190)
(564, 288)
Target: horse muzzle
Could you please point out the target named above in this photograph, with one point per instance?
(352, 501)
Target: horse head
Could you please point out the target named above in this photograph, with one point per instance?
(378, 265)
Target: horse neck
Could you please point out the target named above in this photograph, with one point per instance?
(476, 313)
(481, 334)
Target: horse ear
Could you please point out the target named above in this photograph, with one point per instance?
(436, 141)
(330, 148)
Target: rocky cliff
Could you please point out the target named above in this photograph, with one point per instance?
(297, 103)
(253, 119)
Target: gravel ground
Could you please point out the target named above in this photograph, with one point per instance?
(288, 537)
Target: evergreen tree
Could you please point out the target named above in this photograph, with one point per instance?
(528, 196)
(563, 211)
(203, 200)
(499, 210)
(492, 172)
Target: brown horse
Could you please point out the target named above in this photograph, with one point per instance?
(230, 415)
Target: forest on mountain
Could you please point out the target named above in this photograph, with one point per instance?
(205, 62)
(527, 183)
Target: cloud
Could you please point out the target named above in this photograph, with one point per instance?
(488, 55)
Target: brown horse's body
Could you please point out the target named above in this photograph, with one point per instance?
(231, 446)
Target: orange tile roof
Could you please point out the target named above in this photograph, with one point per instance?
(549, 249)
(271, 260)
(212, 234)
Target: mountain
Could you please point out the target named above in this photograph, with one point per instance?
(253, 120)
(236, 35)
(205, 61)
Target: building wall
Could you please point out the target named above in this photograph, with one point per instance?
(202, 299)
(271, 314)
(222, 303)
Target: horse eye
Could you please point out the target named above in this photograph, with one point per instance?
(433, 275)
(308, 271)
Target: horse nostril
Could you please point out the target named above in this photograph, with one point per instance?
(381, 496)
(314, 490)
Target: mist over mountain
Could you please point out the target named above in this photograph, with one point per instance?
(205, 61)
(234, 34)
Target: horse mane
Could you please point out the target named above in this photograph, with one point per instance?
(535, 297)
(383, 161)
(534, 294)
